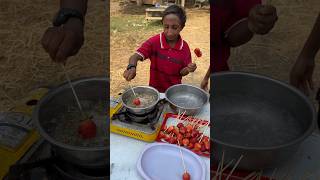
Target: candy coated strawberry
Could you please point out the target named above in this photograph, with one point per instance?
(87, 129)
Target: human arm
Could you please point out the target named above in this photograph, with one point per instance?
(130, 74)
(302, 71)
(261, 20)
(63, 41)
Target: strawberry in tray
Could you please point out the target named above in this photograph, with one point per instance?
(188, 131)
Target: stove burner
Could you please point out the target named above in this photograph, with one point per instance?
(57, 169)
(150, 118)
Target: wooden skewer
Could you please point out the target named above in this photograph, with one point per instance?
(180, 119)
(182, 115)
(184, 166)
(178, 114)
(254, 177)
(133, 91)
(166, 129)
(186, 122)
(286, 175)
(273, 174)
(259, 175)
(204, 132)
(234, 167)
(189, 120)
(229, 163)
(220, 168)
(253, 174)
(220, 174)
(217, 172)
(196, 120)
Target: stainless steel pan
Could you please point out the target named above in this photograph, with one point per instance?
(260, 118)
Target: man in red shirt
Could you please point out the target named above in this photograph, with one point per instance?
(169, 54)
(233, 23)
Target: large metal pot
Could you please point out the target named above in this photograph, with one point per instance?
(261, 119)
(186, 98)
(146, 90)
(58, 101)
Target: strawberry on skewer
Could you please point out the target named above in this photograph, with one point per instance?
(198, 52)
(87, 129)
(186, 175)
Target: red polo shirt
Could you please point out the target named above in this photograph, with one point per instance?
(166, 62)
(222, 18)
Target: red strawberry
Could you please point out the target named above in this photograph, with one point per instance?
(170, 129)
(197, 146)
(87, 129)
(186, 176)
(205, 139)
(182, 130)
(203, 148)
(179, 137)
(173, 140)
(187, 135)
(198, 52)
(189, 128)
(194, 133)
(185, 142)
(176, 131)
(207, 145)
(193, 140)
(180, 125)
(136, 101)
(167, 138)
(191, 145)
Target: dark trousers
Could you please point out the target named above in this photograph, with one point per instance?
(318, 99)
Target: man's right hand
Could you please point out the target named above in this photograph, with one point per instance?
(129, 74)
(301, 74)
(62, 42)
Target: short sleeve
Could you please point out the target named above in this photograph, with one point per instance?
(145, 49)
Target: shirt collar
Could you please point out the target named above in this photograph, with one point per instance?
(165, 45)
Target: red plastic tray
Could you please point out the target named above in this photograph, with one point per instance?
(198, 121)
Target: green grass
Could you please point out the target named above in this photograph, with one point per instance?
(125, 24)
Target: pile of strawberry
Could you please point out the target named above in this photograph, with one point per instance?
(188, 136)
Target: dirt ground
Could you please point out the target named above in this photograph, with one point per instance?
(275, 53)
(124, 43)
(24, 65)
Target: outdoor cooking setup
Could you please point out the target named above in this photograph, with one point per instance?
(180, 104)
(62, 152)
(143, 123)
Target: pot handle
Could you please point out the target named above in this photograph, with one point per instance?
(163, 101)
(17, 171)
